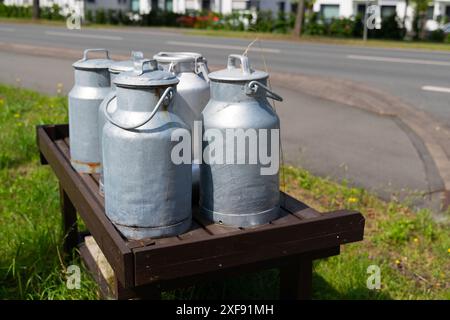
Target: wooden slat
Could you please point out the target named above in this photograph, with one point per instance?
(111, 243)
(223, 251)
(87, 178)
(285, 218)
(195, 232)
(214, 228)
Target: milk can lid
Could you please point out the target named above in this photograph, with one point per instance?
(235, 73)
(126, 65)
(146, 74)
(93, 64)
(167, 57)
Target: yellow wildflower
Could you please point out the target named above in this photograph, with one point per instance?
(17, 115)
(416, 240)
(352, 199)
(397, 262)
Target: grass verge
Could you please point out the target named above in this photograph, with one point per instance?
(410, 249)
(391, 44)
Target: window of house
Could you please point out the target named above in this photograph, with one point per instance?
(430, 12)
(329, 11)
(168, 5)
(281, 6)
(135, 4)
(91, 1)
(206, 4)
(447, 13)
(294, 7)
(361, 9)
(155, 5)
(388, 11)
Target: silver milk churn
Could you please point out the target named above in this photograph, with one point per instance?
(146, 193)
(92, 85)
(110, 100)
(235, 189)
(192, 92)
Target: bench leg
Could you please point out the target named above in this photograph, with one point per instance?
(141, 293)
(69, 220)
(296, 280)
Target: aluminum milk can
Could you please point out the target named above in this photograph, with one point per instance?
(233, 189)
(92, 85)
(192, 92)
(110, 100)
(146, 193)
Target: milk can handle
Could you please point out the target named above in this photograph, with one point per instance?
(140, 63)
(168, 93)
(254, 86)
(85, 54)
(202, 67)
(245, 65)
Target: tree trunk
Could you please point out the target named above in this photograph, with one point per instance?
(299, 19)
(36, 9)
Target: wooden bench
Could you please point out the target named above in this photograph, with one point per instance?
(142, 269)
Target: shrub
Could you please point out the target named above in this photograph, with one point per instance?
(51, 13)
(89, 16)
(281, 24)
(447, 40)
(436, 35)
(341, 27)
(264, 22)
(100, 16)
(313, 26)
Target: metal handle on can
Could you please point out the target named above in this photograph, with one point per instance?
(245, 65)
(140, 63)
(168, 94)
(85, 53)
(253, 87)
(202, 67)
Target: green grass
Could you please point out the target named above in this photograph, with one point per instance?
(391, 44)
(411, 250)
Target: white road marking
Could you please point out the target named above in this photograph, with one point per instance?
(80, 35)
(7, 29)
(399, 60)
(220, 46)
(436, 89)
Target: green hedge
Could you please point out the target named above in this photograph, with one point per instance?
(48, 13)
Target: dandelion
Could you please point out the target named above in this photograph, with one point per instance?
(448, 250)
(416, 240)
(397, 262)
(17, 115)
(352, 200)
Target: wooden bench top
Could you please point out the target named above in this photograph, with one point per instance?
(206, 247)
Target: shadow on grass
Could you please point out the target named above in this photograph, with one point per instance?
(265, 285)
(322, 290)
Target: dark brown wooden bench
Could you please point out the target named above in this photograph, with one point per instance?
(141, 269)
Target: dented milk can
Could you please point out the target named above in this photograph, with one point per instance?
(110, 100)
(238, 186)
(92, 85)
(192, 92)
(146, 193)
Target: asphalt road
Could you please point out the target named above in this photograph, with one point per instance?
(327, 138)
